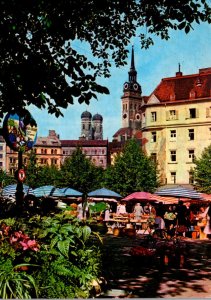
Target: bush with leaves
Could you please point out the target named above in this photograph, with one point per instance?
(64, 256)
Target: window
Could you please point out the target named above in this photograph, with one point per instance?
(153, 116)
(173, 156)
(53, 161)
(1, 155)
(154, 157)
(173, 177)
(191, 178)
(1, 148)
(191, 155)
(208, 112)
(171, 114)
(173, 134)
(192, 113)
(153, 137)
(191, 134)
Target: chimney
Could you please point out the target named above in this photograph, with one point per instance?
(179, 73)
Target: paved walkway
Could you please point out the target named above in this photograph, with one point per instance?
(135, 277)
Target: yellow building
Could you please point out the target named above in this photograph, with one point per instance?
(48, 150)
(176, 123)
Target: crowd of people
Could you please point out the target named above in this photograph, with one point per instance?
(176, 219)
(180, 219)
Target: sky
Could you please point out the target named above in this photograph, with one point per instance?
(161, 60)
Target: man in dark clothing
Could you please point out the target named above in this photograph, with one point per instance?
(181, 218)
(181, 213)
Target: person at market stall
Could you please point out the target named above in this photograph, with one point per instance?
(80, 211)
(160, 210)
(169, 218)
(182, 221)
(207, 214)
(138, 211)
(107, 212)
(148, 208)
(121, 208)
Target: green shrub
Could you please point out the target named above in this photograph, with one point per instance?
(64, 255)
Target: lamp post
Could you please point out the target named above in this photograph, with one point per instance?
(20, 134)
(19, 195)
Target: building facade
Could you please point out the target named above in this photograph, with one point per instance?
(176, 122)
(95, 150)
(2, 153)
(48, 150)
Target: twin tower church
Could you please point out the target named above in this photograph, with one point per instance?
(172, 124)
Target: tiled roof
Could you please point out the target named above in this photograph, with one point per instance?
(48, 141)
(182, 85)
(123, 131)
(84, 143)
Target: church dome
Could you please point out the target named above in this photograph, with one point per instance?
(86, 114)
(97, 117)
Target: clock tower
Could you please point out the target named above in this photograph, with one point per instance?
(131, 99)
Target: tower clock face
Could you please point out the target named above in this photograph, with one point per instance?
(124, 116)
(135, 86)
(126, 85)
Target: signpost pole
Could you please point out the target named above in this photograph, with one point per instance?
(19, 190)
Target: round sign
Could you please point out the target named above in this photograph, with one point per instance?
(21, 175)
(20, 131)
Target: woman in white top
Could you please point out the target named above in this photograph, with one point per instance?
(138, 210)
(121, 208)
(207, 214)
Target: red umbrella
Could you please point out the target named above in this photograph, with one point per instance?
(138, 196)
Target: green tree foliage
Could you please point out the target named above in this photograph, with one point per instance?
(31, 170)
(202, 171)
(49, 175)
(41, 175)
(80, 173)
(132, 171)
(6, 179)
(40, 63)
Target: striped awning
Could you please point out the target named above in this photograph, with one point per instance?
(10, 190)
(69, 192)
(179, 192)
(47, 191)
(206, 197)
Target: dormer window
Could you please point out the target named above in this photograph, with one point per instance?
(172, 97)
(192, 94)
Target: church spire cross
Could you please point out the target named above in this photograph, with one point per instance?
(132, 73)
